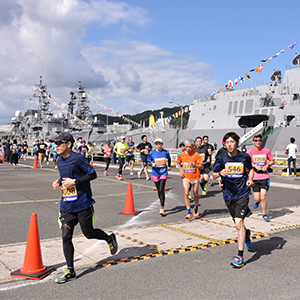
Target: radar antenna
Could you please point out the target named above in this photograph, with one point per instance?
(276, 76)
(296, 60)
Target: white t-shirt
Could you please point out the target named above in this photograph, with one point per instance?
(292, 150)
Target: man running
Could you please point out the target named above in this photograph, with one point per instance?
(191, 163)
(161, 162)
(144, 148)
(262, 159)
(236, 171)
(76, 204)
(42, 146)
(130, 155)
(121, 149)
(204, 174)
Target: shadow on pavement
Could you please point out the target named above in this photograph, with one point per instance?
(175, 210)
(280, 213)
(265, 247)
(213, 212)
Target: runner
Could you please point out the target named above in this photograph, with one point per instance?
(41, 152)
(35, 148)
(210, 148)
(144, 148)
(121, 149)
(130, 155)
(204, 174)
(89, 154)
(107, 150)
(82, 149)
(24, 150)
(191, 162)
(48, 150)
(55, 155)
(260, 157)
(14, 148)
(79, 143)
(76, 204)
(236, 171)
(161, 162)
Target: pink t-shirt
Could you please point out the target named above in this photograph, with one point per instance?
(260, 158)
(107, 151)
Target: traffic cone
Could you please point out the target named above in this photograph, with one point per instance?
(129, 205)
(33, 264)
(35, 164)
(92, 163)
(3, 157)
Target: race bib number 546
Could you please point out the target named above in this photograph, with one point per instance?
(235, 169)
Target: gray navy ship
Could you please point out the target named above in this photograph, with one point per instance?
(272, 109)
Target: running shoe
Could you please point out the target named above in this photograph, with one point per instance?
(248, 239)
(105, 173)
(265, 217)
(148, 178)
(113, 245)
(238, 261)
(121, 177)
(68, 276)
(204, 191)
(189, 216)
(162, 211)
(131, 173)
(256, 204)
(55, 167)
(118, 177)
(196, 213)
(139, 174)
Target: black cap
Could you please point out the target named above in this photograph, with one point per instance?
(181, 144)
(63, 137)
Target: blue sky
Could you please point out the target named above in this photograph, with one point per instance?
(137, 55)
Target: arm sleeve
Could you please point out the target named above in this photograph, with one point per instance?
(87, 177)
(169, 159)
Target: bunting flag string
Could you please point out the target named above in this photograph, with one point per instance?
(258, 69)
(114, 112)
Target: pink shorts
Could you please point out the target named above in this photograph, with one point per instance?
(158, 178)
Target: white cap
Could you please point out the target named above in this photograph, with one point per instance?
(158, 140)
(122, 137)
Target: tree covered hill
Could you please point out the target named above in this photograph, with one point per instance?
(144, 117)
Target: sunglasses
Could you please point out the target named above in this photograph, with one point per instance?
(59, 143)
(257, 140)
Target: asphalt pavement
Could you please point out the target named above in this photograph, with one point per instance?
(159, 257)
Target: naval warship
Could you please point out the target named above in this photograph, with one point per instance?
(272, 109)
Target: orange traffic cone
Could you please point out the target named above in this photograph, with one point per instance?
(92, 163)
(3, 158)
(129, 205)
(33, 264)
(35, 164)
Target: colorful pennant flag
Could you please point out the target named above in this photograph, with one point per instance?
(248, 76)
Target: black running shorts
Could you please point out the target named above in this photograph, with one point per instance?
(239, 208)
(261, 184)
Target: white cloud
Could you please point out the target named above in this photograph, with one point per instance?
(45, 38)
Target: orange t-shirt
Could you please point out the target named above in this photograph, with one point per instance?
(190, 172)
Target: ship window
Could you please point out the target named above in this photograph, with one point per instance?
(271, 111)
(241, 107)
(264, 111)
(249, 106)
(256, 112)
(235, 107)
(229, 108)
(215, 107)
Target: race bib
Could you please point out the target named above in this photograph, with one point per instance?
(209, 151)
(145, 151)
(130, 149)
(260, 160)
(160, 162)
(188, 168)
(236, 169)
(202, 155)
(69, 194)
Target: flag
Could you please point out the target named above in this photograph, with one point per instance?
(170, 119)
(167, 120)
(292, 45)
(248, 76)
(235, 81)
(186, 109)
(257, 69)
(230, 83)
(252, 70)
(179, 113)
(271, 58)
(260, 67)
(281, 51)
(226, 87)
(222, 89)
(241, 78)
(263, 60)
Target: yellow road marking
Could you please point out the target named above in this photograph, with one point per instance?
(126, 182)
(193, 234)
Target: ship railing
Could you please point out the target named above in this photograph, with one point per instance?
(253, 131)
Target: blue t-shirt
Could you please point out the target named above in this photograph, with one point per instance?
(76, 166)
(130, 146)
(160, 158)
(234, 185)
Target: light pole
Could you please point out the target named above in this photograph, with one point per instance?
(181, 125)
(107, 127)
